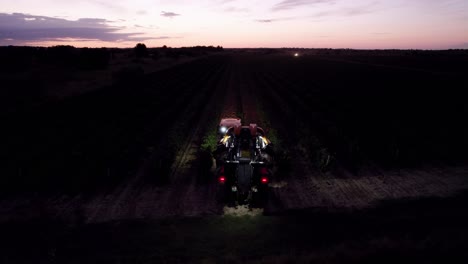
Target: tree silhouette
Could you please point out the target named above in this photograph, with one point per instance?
(141, 50)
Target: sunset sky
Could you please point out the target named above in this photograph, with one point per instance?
(361, 24)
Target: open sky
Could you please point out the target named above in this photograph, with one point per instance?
(361, 24)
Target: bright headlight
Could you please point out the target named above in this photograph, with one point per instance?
(223, 129)
(225, 139)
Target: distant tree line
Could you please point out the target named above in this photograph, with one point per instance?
(15, 58)
(140, 51)
(22, 58)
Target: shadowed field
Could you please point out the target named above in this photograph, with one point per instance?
(371, 160)
(426, 230)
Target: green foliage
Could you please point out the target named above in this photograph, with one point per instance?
(272, 134)
(209, 142)
(274, 138)
(208, 146)
(282, 156)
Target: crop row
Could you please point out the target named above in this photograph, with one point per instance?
(361, 114)
(100, 138)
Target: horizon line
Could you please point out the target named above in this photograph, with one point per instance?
(180, 47)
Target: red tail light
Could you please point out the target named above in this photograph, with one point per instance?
(264, 180)
(222, 179)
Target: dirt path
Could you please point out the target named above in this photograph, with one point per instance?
(231, 101)
(247, 96)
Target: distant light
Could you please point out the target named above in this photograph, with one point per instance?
(222, 179)
(223, 129)
(264, 180)
(296, 54)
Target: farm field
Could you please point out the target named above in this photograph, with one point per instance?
(370, 150)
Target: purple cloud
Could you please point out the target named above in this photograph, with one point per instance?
(169, 14)
(289, 4)
(270, 20)
(349, 11)
(265, 20)
(17, 28)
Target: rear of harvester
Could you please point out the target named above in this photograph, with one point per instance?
(244, 161)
